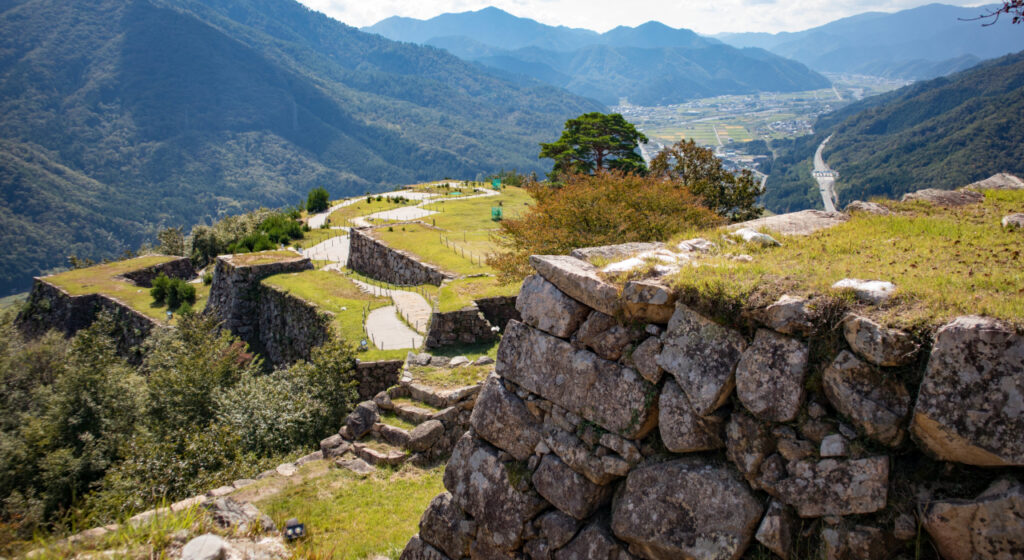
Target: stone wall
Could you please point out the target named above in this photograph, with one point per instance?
(787, 431)
(499, 310)
(465, 326)
(369, 256)
(50, 307)
(375, 377)
(289, 326)
(178, 268)
(235, 293)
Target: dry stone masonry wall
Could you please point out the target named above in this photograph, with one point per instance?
(671, 435)
(373, 258)
(50, 307)
(289, 326)
(235, 292)
(473, 324)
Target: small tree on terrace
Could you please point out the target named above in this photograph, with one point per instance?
(318, 200)
(733, 196)
(595, 141)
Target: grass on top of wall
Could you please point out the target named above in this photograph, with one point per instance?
(944, 262)
(425, 243)
(103, 279)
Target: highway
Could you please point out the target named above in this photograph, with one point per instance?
(826, 178)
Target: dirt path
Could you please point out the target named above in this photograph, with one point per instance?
(411, 306)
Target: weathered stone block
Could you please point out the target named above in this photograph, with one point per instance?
(970, 407)
(605, 336)
(594, 542)
(834, 487)
(502, 418)
(682, 431)
(877, 344)
(645, 358)
(479, 480)
(362, 419)
(425, 435)
(702, 355)
(776, 529)
(648, 301)
(547, 308)
(990, 527)
(579, 280)
(418, 549)
(875, 403)
(557, 527)
(770, 376)
(611, 396)
(687, 508)
(568, 490)
(748, 442)
(445, 526)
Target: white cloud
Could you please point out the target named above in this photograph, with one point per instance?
(704, 16)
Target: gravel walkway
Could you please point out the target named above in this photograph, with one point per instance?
(413, 307)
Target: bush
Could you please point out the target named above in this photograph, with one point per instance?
(207, 278)
(318, 200)
(603, 209)
(174, 291)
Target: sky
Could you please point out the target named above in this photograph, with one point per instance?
(702, 16)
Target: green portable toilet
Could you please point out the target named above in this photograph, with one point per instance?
(496, 183)
(496, 213)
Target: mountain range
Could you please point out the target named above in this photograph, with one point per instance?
(119, 117)
(918, 43)
(651, 64)
(942, 133)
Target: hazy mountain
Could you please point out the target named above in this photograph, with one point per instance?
(119, 117)
(911, 44)
(942, 133)
(649, 64)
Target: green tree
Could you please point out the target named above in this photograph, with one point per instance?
(730, 195)
(318, 200)
(595, 141)
(172, 241)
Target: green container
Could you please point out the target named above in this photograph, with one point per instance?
(496, 213)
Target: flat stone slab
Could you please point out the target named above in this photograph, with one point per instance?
(940, 197)
(999, 181)
(615, 252)
(579, 280)
(804, 222)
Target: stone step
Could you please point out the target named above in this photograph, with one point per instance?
(379, 453)
(412, 413)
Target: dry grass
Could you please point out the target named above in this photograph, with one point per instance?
(264, 257)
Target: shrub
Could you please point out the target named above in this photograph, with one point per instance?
(318, 200)
(207, 278)
(603, 209)
(173, 291)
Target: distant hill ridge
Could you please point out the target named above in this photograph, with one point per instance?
(120, 117)
(651, 64)
(918, 43)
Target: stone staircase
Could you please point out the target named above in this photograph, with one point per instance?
(377, 431)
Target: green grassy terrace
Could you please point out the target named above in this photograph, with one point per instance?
(461, 292)
(349, 517)
(103, 279)
(336, 293)
(945, 262)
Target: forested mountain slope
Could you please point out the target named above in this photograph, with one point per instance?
(119, 117)
(943, 133)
